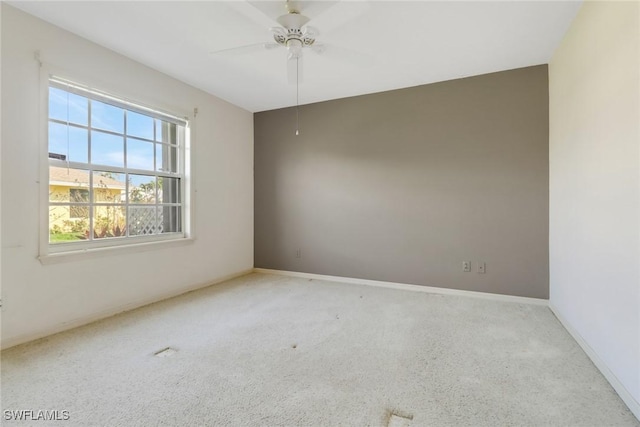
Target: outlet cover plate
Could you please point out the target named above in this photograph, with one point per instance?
(466, 266)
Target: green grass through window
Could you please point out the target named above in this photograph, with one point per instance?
(64, 237)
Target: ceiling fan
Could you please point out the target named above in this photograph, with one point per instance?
(293, 33)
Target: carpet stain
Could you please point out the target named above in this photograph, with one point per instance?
(397, 418)
(165, 352)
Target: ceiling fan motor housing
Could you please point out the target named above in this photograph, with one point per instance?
(291, 36)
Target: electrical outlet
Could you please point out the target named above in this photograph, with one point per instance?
(466, 266)
(482, 267)
(298, 253)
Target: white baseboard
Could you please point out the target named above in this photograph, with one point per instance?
(622, 391)
(81, 321)
(407, 287)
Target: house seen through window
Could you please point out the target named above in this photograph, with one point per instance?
(115, 169)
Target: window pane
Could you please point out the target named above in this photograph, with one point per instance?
(139, 125)
(108, 187)
(171, 219)
(58, 140)
(139, 154)
(107, 117)
(107, 149)
(62, 180)
(68, 143)
(166, 132)
(58, 104)
(143, 221)
(168, 190)
(109, 221)
(79, 212)
(68, 106)
(78, 145)
(142, 189)
(79, 195)
(63, 227)
(166, 158)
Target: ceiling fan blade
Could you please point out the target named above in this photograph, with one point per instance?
(241, 50)
(344, 55)
(340, 14)
(274, 9)
(278, 31)
(253, 13)
(270, 9)
(310, 31)
(294, 70)
(319, 48)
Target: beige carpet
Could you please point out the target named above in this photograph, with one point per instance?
(270, 350)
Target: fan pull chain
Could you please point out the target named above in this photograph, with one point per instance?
(297, 96)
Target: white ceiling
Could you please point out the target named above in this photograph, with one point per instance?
(372, 46)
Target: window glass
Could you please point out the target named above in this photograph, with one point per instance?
(107, 149)
(107, 117)
(68, 107)
(139, 125)
(115, 174)
(68, 142)
(139, 154)
(142, 189)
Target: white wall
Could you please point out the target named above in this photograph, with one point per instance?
(40, 299)
(594, 188)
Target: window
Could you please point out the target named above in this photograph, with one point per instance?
(116, 170)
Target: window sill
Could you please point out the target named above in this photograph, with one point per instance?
(89, 253)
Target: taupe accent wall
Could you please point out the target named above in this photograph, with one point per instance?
(404, 186)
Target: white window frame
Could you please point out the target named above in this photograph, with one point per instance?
(53, 253)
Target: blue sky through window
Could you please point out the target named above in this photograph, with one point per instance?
(67, 106)
(136, 180)
(107, 149)
(139, 125)
(107, 117)
(77, 148)
(139, 154)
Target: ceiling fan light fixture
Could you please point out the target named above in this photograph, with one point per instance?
(294, 46)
